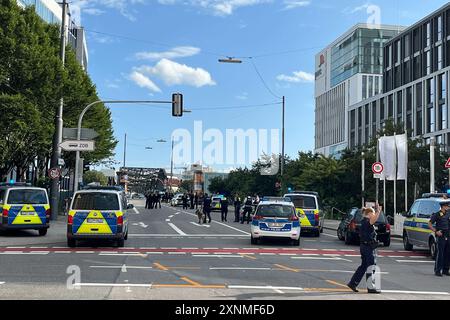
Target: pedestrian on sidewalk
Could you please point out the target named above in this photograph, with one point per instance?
(441, 230)
(368, 245)
(206, 207)
(237, 207)
(224, 208)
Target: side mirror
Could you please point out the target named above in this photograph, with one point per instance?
(130, 206)
(406, 215)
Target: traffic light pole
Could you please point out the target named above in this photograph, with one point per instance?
(80, 120)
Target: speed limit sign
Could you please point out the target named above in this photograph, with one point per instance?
(54, 173)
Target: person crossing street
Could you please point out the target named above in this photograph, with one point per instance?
(206, 207)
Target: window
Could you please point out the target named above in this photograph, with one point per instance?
(427, 208)
(442, 108)
(390, 106)
(96, 201)
(276, 210)
(419, 109)
(416, 40)
(382, 115)
(399, 107)
(428, 34)
(439, 57)
(428, 62)
(397, 53)
(304, 202)
(27, 196)
(409, 108)
(407, 43)
(406, 72)
(431, 117)
(439, 28)
(370, 86)
(417, 68)
(377, 85)
(364, 87)
(389, 57)
(415, 208)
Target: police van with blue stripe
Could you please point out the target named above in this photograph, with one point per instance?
(416, 232)
(24, 207)
(98, 213)
(275, 219)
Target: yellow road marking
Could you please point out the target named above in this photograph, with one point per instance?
(338, 284)
(190, 281)
(247, 256)
(160, 266)
(286, 268)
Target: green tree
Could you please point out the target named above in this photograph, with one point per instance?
(95, 176)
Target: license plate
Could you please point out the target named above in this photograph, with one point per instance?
(276, 225)
(27, 213)
(95, 221)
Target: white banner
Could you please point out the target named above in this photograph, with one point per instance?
(387, 157)
(402, 156)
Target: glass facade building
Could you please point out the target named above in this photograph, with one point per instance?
(415, 83)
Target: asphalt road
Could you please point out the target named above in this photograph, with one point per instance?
(169, 256)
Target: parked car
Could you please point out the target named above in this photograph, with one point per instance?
(177, 200)
(416, 232)
(309, 210)
(350, 224)
(215, 202)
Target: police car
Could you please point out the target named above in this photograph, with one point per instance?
(24, 207)
(275, 219)
(416, 232)
(98, 213)
(307, 206)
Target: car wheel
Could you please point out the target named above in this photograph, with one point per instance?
(317, 233)
(347, 238)
(120, 243)
(42, 232)
(253, 240)
(387, 242)
(433, 249)
(126, 236)
(71, 243)
(339, 235)
(296, 242)
(406, 245)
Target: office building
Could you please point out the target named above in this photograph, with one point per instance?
(51, 12)
(348, 71)
(415, 84)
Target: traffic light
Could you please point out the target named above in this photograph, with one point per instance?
(177, 105)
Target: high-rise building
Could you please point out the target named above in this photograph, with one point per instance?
(415, 84)
(348, 71)
(51, 12)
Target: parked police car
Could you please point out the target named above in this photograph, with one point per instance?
(24, 207)
(416, 232)
(275, 219)
(98, 213)
(308, 208)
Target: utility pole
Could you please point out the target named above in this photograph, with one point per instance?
(125, 151)
(171, 168)
(363, 164)
(432, 169)
(377, 181)
(57, 137)
(282, 136)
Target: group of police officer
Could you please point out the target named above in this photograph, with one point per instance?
(441, 220)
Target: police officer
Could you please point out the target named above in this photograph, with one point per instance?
(224, 208)
(206, 208)
(367, 247)
(441, 230)
(248, 208)
(237, 208)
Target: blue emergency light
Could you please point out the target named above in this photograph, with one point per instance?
(11, 181)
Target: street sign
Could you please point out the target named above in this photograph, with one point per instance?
(77, 145)
(61, 162)
(377, 176)
(54, 173)
(447, 165)
(377, 168)
(86, 133)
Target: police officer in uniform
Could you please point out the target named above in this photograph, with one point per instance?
(237, 208)
(248, 208)
(368, 242)
(224, 208)
(207, 208)
(441, 230)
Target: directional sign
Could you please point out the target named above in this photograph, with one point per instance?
(377, 168)
(54, 173)
(447, 165)
(77, 145)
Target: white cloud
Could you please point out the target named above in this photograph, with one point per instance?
(297, 77)
(216, 7)
(93, 11)
(243, 96)
(177, 52)
(292, 4)
(173, 73)
(349, 10)
(143, 81)
(92, 7)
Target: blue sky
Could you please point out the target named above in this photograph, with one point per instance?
(148, 49)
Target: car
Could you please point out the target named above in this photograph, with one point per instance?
(177, 200)
(24, 207)
(275, 219)
(215, 203)
(416, 232)
(348, 229)
(308, 207)
(98, 214)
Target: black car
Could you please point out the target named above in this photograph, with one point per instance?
(348, 229)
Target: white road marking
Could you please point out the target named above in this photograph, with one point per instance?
(171, 216)
(12, 252)
(321, 258)
(395, 256)
(264, 287)
(119, 267)
(174, 227)
(201, 225)
(176, 252)
(329, 235)
(416, 292)
(223, 224)
(135, 210)
(197, 236)
(84, 251)
(15, 247)
(154, 252)
(239, 268)
(216, 256)
(415, 261)
(63, 251)
(170, 248)
(167, 220)
(112, 285)
(143, 225)
(121, 254)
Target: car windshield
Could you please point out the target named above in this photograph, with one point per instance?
(27, 196)
(303, 202)
(275, 210)
(96, 201)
